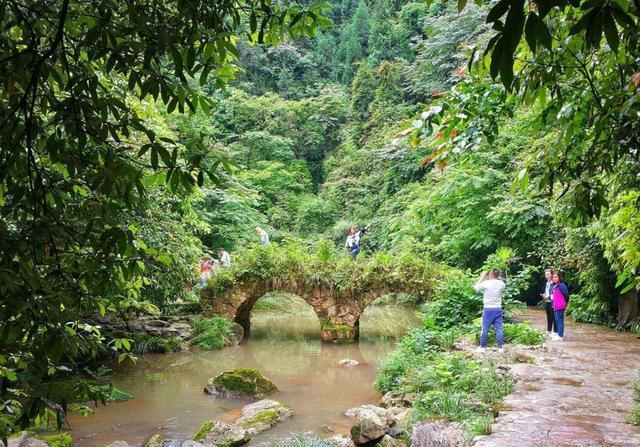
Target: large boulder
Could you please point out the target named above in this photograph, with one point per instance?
(262, 415)
(340, 441)
(437, 434)
(384, 413)
(372, 423)
(219, 434)
(243, 382)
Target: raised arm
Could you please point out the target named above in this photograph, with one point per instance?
(478, 286)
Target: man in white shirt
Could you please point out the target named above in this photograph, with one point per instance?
(492, 306)
(225, 258)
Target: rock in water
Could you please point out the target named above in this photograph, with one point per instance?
(156, 440)
(437, 434)
(191, 443)
(243, 382)
(348, 362)
(219, 434)
(119, 444)
(340, 441)
(372, 423)
(262, 415)
(385, 414)
(24, 440)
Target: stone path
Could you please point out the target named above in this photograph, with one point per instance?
(574, 393)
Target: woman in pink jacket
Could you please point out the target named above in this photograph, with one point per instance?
(560, 299)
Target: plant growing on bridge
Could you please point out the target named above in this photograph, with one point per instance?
(294, 263)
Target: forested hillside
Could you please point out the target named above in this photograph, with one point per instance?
(318, 130)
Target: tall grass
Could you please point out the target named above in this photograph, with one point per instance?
(144, 343)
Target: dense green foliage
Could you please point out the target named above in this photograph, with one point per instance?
(210, 333)
(86, 152)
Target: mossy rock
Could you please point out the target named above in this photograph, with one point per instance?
(243, 382)
(157, 440)
(263, 415)
(219, 434)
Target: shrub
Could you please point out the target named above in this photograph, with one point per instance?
(460, 389)
(455, 303)
(586, 310)
(57, 440)
(117, 395)
(184, 308)
(514, 333)
(414, 351)
(210, 333)
(144, 343)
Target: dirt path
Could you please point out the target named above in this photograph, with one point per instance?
(577, 393)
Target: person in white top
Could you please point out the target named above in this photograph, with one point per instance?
(225, 258)
(353, 240)
(492, 306)
(263, 235)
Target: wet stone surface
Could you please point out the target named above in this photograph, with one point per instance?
(578, 393)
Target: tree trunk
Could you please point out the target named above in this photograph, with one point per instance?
(628, 308)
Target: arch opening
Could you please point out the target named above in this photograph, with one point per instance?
(388, 317)
(281, 315)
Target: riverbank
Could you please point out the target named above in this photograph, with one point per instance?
(578, 392)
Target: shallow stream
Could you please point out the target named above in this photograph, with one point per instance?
(284, 345)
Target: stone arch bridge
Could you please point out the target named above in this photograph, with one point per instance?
(339, 312)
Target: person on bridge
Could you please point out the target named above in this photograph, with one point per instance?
(263, 235)
(353, 240)
(225, 258)
(548, 305)
(492, 306)
(560, 299)
(204, 270)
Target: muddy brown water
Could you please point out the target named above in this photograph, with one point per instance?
(284, 346)
(577, 394)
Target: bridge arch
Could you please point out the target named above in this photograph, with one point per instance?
(339, 312)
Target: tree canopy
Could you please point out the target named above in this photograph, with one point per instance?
(81, 157)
